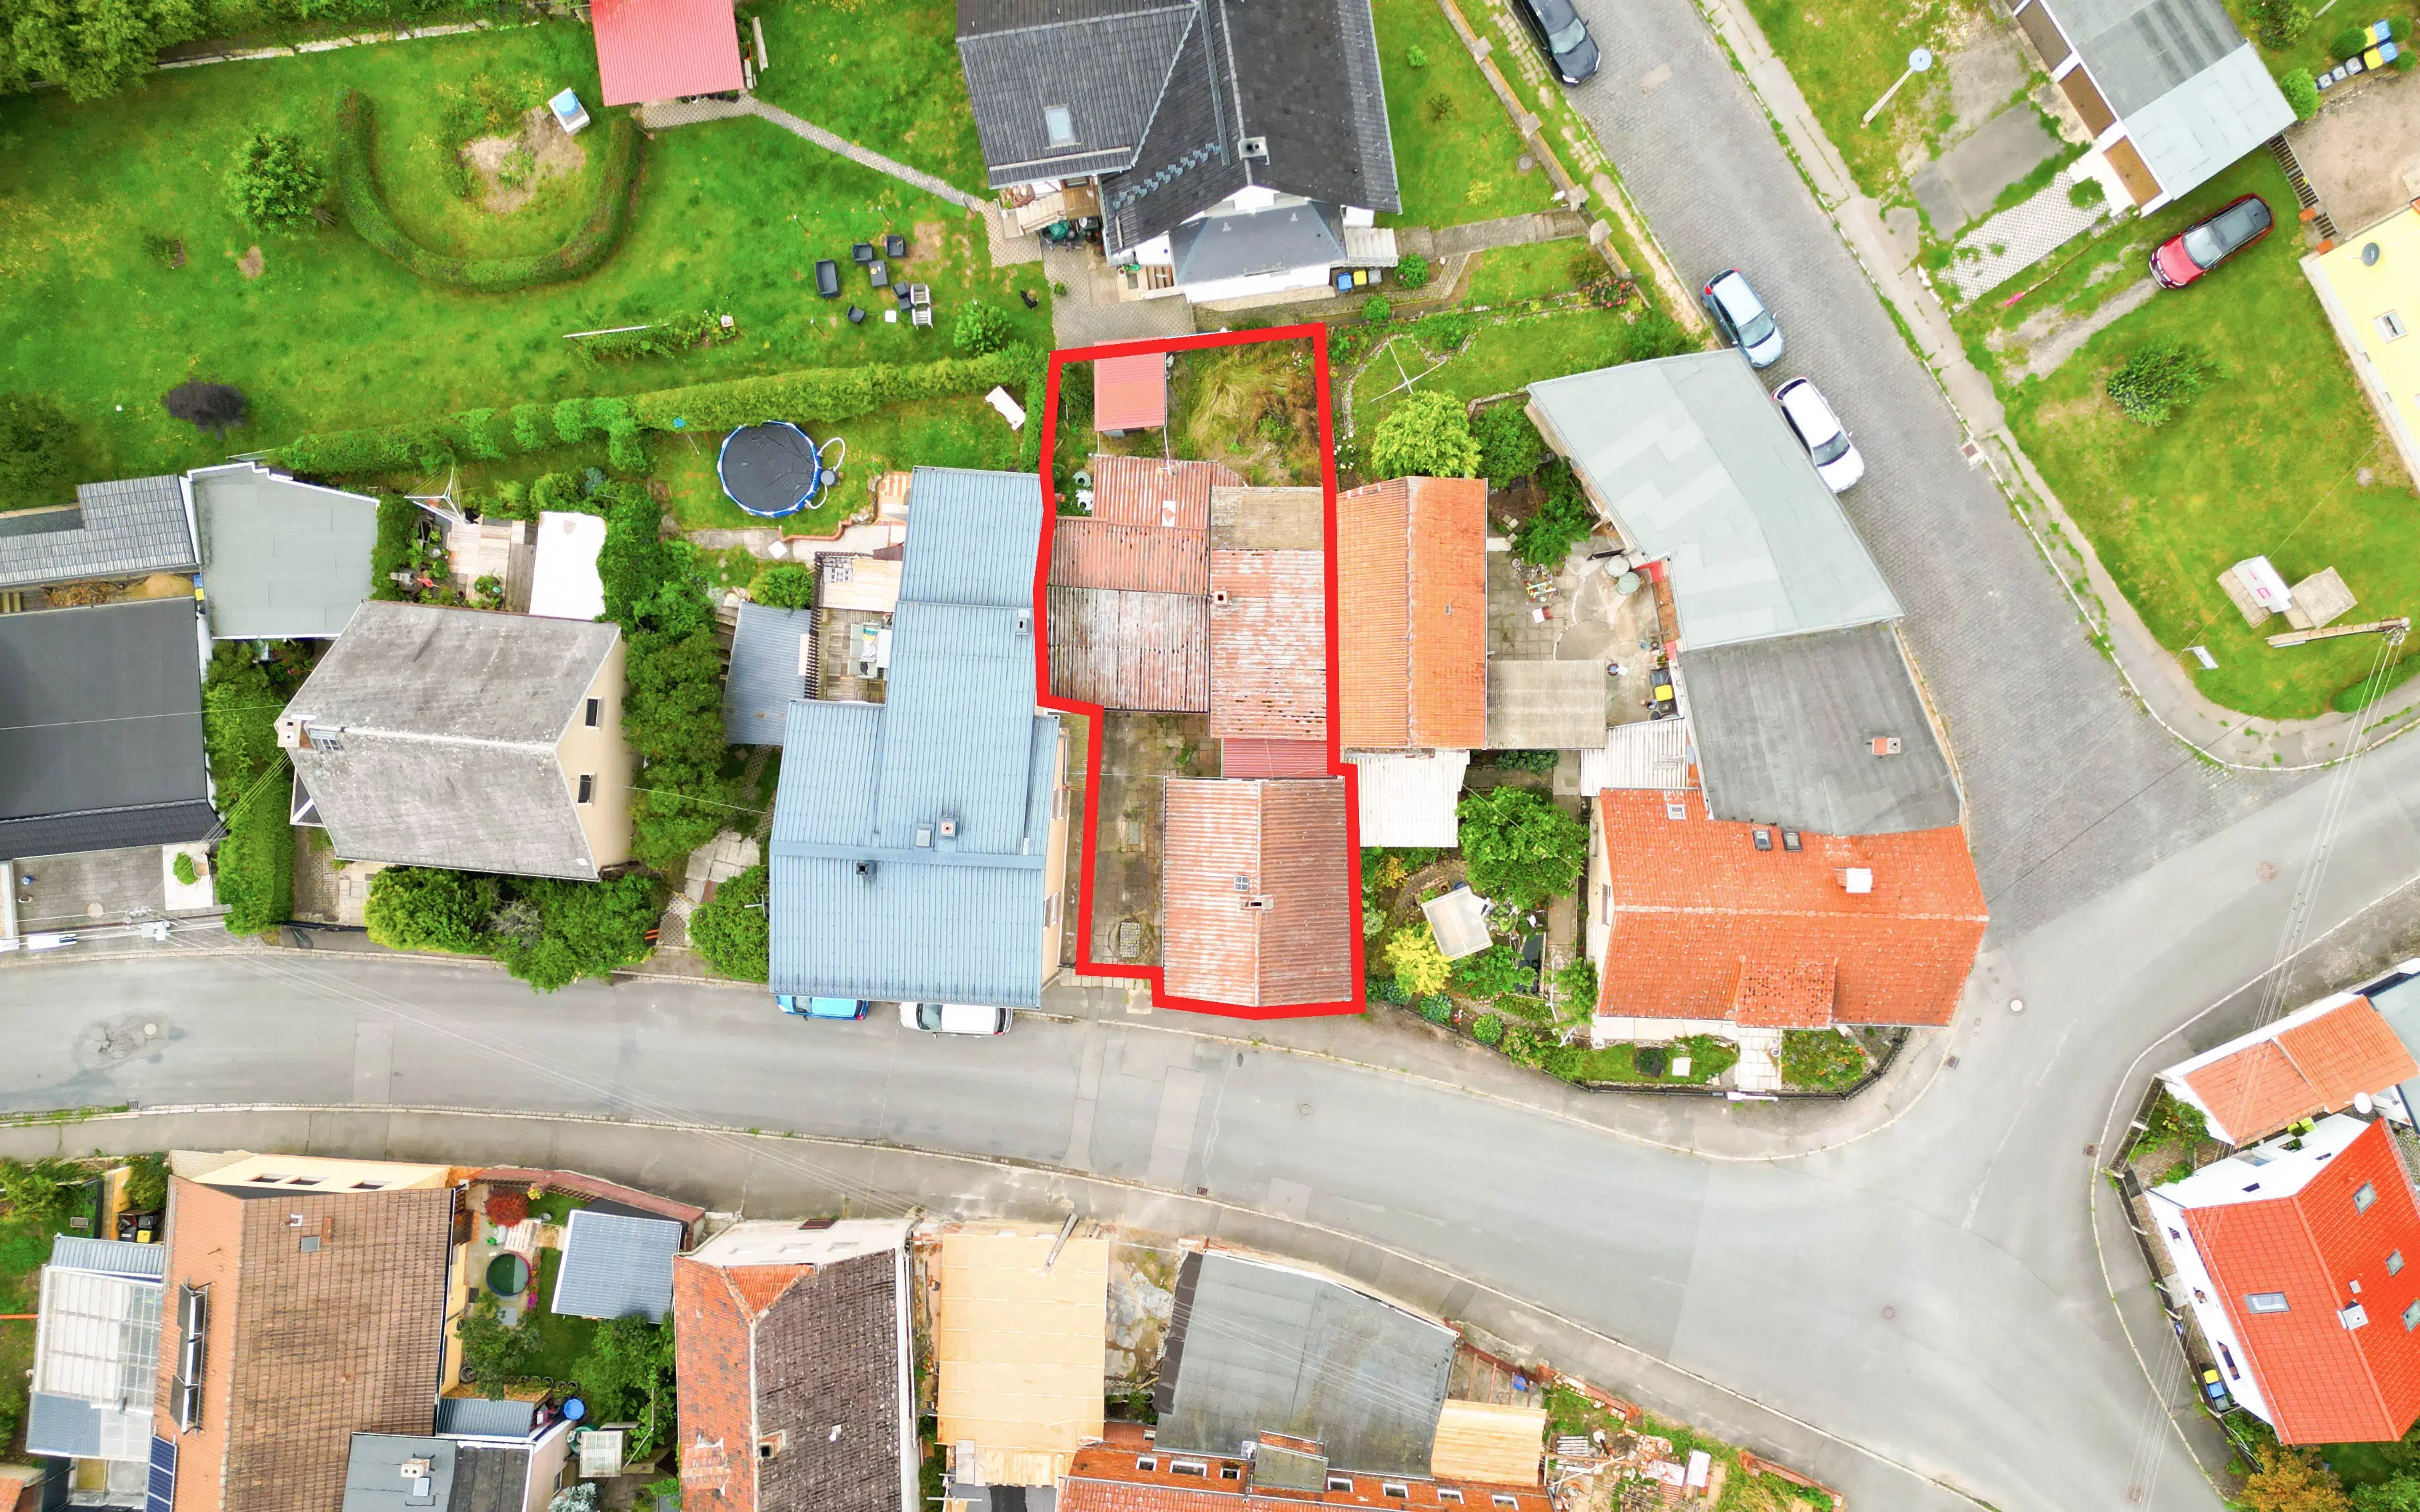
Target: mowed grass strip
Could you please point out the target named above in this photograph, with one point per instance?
(1462, 163)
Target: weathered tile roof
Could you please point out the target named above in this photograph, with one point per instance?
(1412, 614)
(122, 529)
(1707, 925)
(665, 49)
(1256, 891)
(1149, 529)
(1130, 650)
(1268, 644)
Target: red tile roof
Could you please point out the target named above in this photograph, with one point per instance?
(2292, 1072)
(1704, 925)
(1097, 553)
(1144, 490)
(665, 49)
(1412, 606)
(2324, 1382)
(1256, 891)
(1112, 1477)
(1130, 392)
(1246, 757)
(1268, 644)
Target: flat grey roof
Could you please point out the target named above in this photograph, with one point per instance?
(1694, 463)
(462, 1477)
(616, 1266)
(1255, 1348)
(1545, 705)
(1785, 732)
(770, 652)
(100, 728)
(281, 559)
(2139, 50)
(124, 528)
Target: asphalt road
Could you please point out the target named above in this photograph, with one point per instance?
(2071, 789)
(1930, 1291)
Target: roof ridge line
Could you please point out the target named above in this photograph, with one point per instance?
(1713, 912)
(1076, 20)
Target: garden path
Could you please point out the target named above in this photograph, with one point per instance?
(662, 116)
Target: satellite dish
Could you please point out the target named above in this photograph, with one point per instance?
(2362, 1103)
(2369, 255)
(1920, 60)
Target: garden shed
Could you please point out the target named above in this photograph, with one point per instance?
(617, 1265)
(650, 49)
(1130, 392)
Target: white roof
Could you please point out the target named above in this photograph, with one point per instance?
(768, 1243)
(1646, 753)
(564, 584)
(1408, 797)
(2196, 129)
(2261, 1172)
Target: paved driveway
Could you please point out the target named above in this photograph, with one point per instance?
(2069, 787)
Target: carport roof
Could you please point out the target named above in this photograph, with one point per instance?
(1694, 463)
(770, 652)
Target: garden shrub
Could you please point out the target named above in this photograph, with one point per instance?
(1651, 1060)
(274, 185)
(1437, 1008)
(40, 1192)
(255, 857)
(182, 868)
(730, 930)
(1412, 270)
(2280, 22)
(1492, 973)
(1385, 990)
(530, 427)
(1522, 1006)
(1509, 445)
(2086, 192)
(429, 908)
(2157, 380)
(1447, 329)
(586, 929)
(1427, 436)
(1564, 519)
(666, 339)
(1822, 1060)
(2174, 1122)
(35, 435)
(399, 520)
(476, 430)
(505, 1207)
(1539, 762)
(1520, 849)
(571, 421)
(1416, 57)
(784, 585)
(147, 1183)
(1377, 309)
(1419, 966)
(1488, 1030)
(1577, 982)
(625, 447)
(2350, 43)
(590, 243)
(981, 328)
(2300, 90)
(2291, 1480)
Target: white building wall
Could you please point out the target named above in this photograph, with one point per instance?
(2192, 1285)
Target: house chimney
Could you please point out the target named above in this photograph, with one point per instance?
(1858, 879)
(1886, 744)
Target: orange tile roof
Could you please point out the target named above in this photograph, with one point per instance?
(1268, 644)
(1112, 1477)
(2303, 1068)
(1097, 553)
(1704, 925)
(2324, 1382)
(1412, 606)
(1256, 891)
(1130, 392)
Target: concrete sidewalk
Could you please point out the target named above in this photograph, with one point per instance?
(2155, 676)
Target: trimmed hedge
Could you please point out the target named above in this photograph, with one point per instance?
(588, 245)
(814, 393)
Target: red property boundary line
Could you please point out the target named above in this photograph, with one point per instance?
(1337, 765)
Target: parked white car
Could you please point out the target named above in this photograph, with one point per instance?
(956, 1018)
(1821, 432)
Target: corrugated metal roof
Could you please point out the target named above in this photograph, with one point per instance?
(665, 49)
(1130, 392)
(121, 529)
(771, 652)
(1130, 650)
(1146, 491)
(479, 1417)
(1408, 797)
(281, 559)
(1646, 753)
(1786, 732)
(1268, 644)
(110, 1257)
(975, 537)
(1249, 756)
(617, 1265)
(1256, 892)
(1094, 553)
(1696, 465)
(1264, 1349)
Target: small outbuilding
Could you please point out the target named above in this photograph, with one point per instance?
(564, 580)
(649, 50)
(281, 559)
(1130, 392)
(617, 1265)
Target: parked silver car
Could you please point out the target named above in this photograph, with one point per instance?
(1742, 317)
(1821, 432)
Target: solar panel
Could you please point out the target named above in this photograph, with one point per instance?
(161, 1494)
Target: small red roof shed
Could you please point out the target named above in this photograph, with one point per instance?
(665, 49)
(1130, 392)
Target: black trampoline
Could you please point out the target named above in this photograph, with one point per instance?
(770, 469)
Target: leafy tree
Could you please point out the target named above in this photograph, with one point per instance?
(147, 1183)
(1509, 445)
(1577, 982)
(2292, 1480)
(730, 930)
(627, 1370)
(2281, 22)
(672, 707)
(212, 408)
(1521, 850)
(1651, 1060)
(2157, 380)
(494, 1353)
(1426, 436)
(35, 435)
(981, 328)
(2301, 91)
(1492, 973)
(2401, 1493)
(682, 807)
(505, 1207)
(784, 585)
(591, 928)
(240, 708)
(275, 184)
(426, 908)
(1419, 966)
(39, 1193)
(90, 48)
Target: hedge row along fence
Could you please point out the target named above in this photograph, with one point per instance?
(588, 246)
(823, 394)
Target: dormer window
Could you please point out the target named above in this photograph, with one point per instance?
(1059, 122)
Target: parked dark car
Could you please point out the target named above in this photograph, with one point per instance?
(2180, 259)
(1565, 38)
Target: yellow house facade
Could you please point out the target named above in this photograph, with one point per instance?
(2369, 284)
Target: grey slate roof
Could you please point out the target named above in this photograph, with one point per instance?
(1165, 97)
(1254, 1348)
(616, 1266)
(432, 735)
(766, 677)
(281, 559)
(859, 907)
(1785, 731)
(1696, 464)
(2194, 95)
(100, 728)
(1264, 242)
(124, 528)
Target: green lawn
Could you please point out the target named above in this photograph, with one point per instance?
(942, 433)
(1501, 358)
(1844, 54)
(2262, 463)
(1508, 275)
(883, 73)
(732, 216)
(1709, 1057)
(1463, 165)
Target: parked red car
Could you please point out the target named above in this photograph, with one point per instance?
(2180, 259)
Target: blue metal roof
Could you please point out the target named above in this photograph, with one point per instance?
(768, 672)
(910, 838)
(66, 1427)
(616, 1266)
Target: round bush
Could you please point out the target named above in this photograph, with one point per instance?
(1436, 1008)
(274, 185)
(2301, 91)
(505, 1207)
(1412, 272)
(2350, 43)
(1377, 309)
(1651, 1060)
(1488, 1030)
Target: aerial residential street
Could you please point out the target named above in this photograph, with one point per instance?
(1965, 1217)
